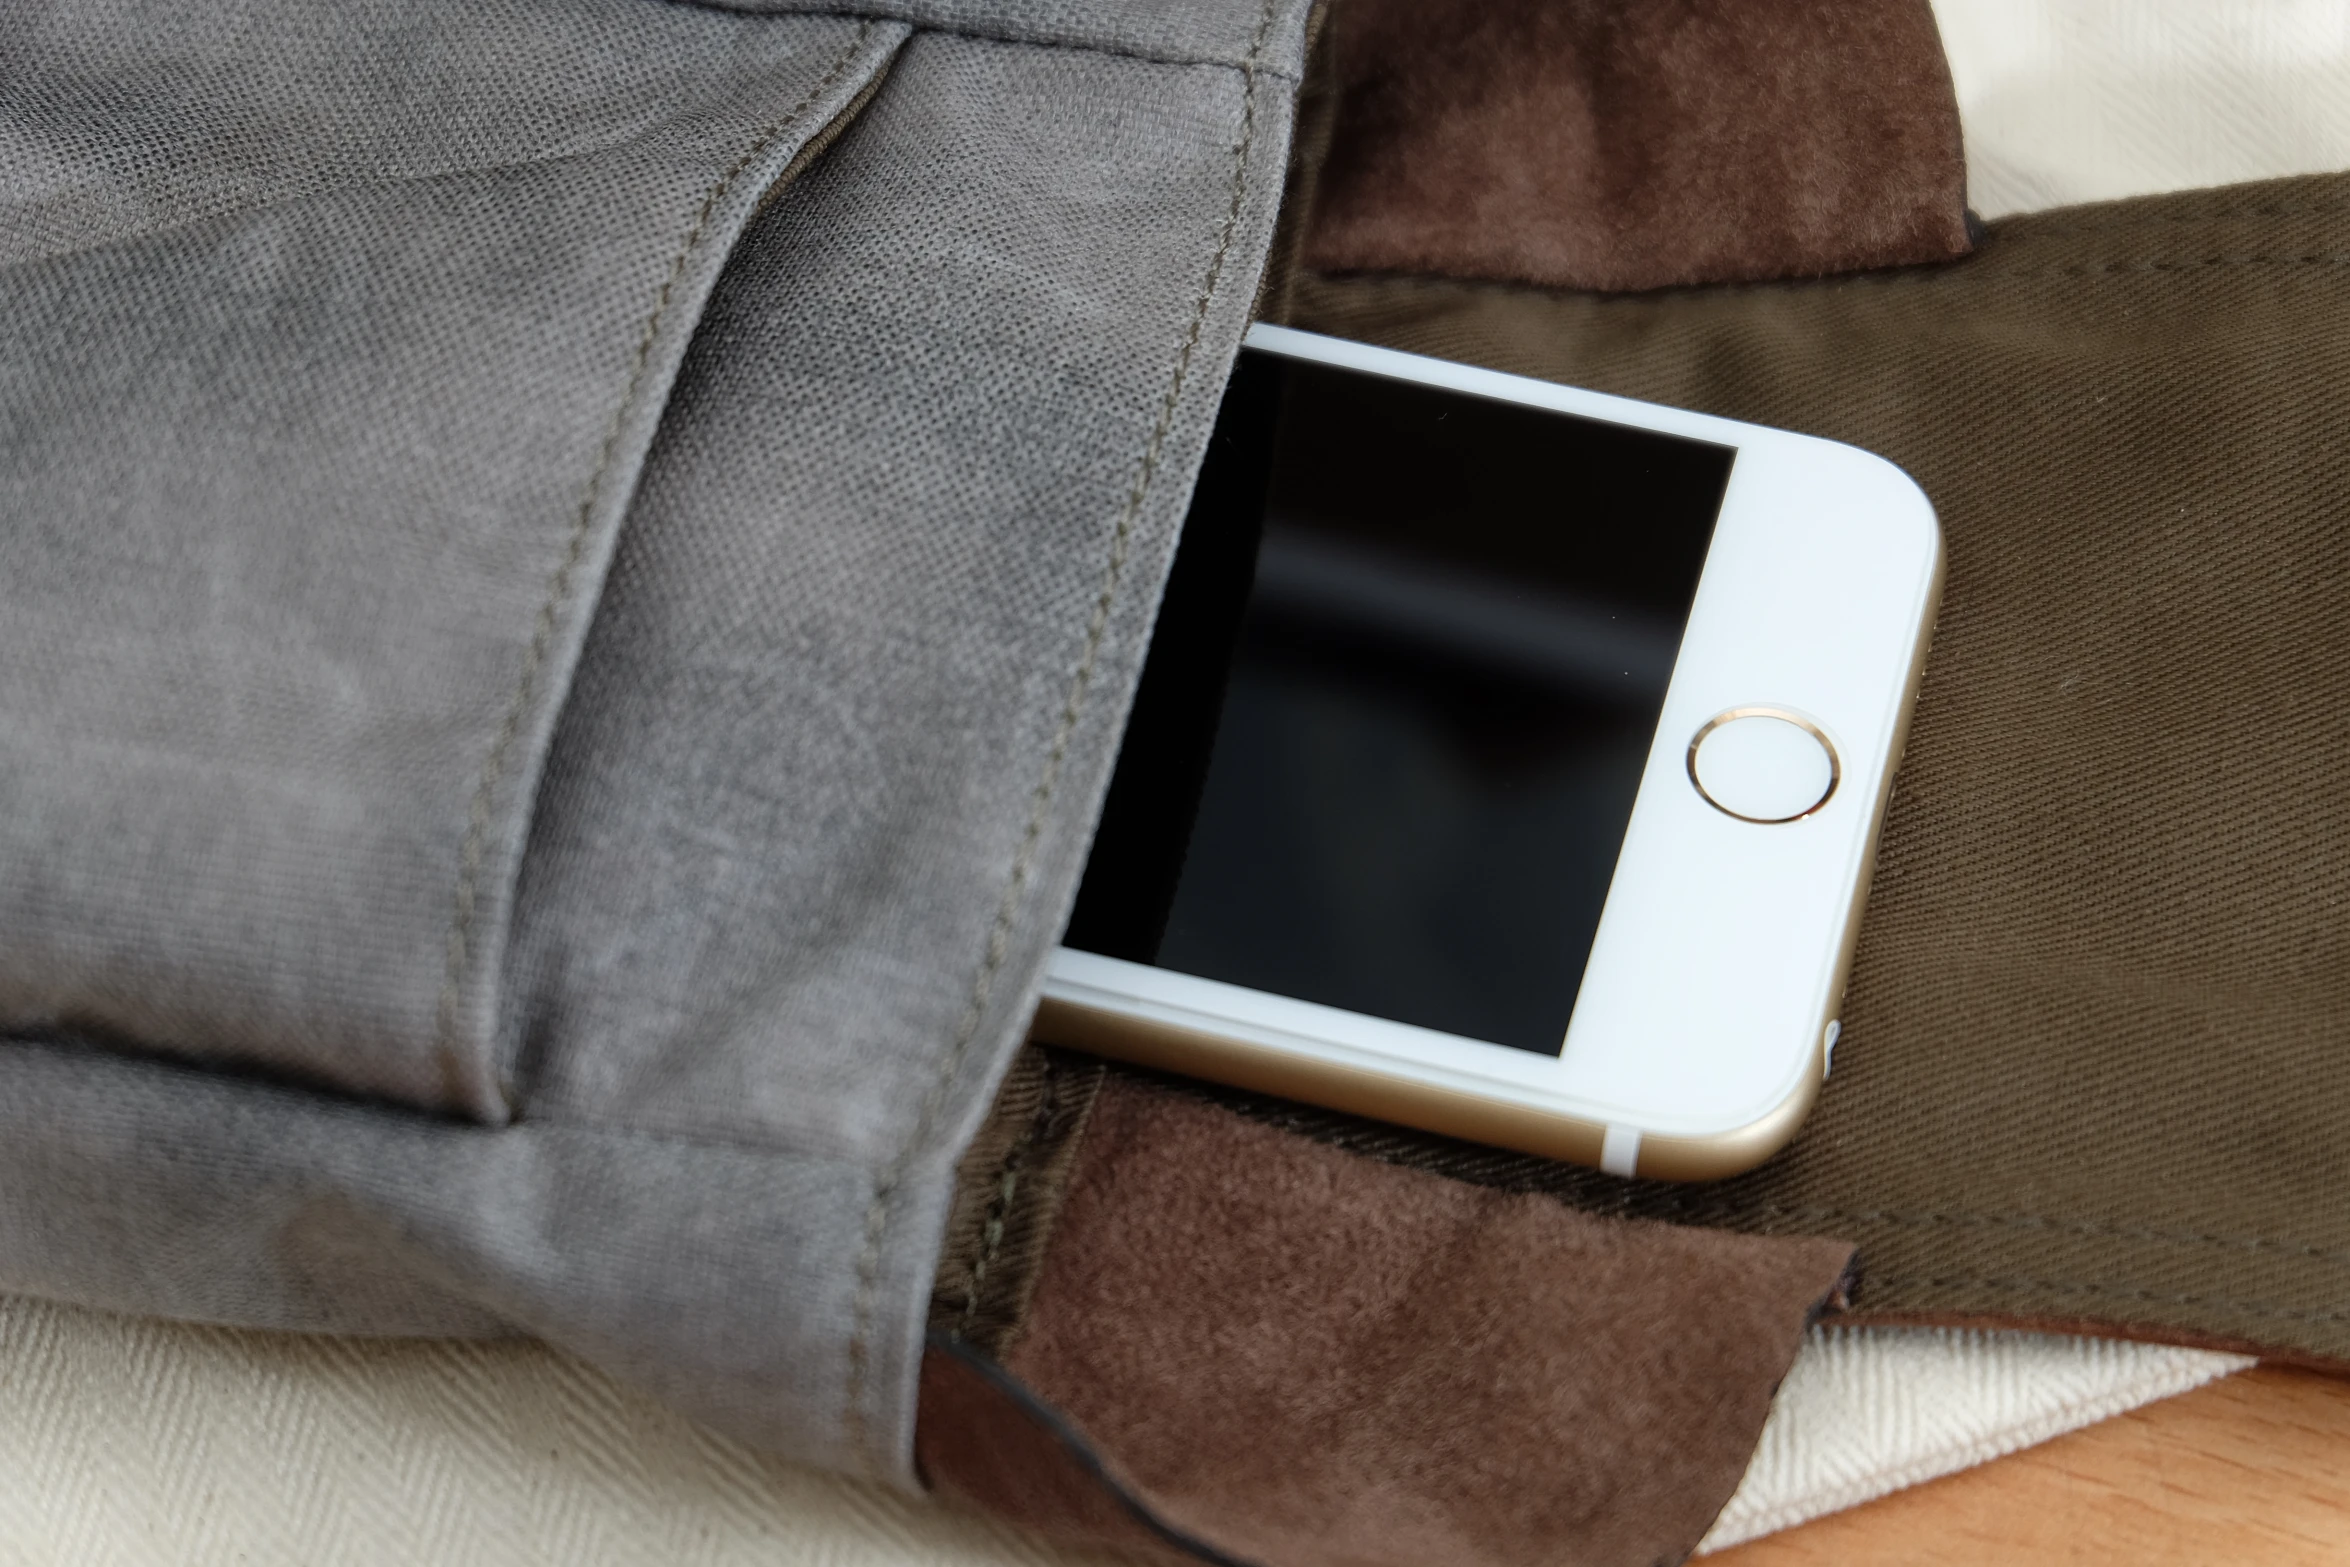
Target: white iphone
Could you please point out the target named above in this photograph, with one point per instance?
(1508, 762)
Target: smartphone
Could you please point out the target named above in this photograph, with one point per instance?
(1508, 761)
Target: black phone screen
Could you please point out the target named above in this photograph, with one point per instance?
(1400, 694)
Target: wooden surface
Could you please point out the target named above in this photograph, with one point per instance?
(2254, 1468)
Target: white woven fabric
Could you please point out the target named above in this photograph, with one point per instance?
(1867, 1412)
(141, 1443)
(2091, 100)
(131, 1443)
(128, 1443)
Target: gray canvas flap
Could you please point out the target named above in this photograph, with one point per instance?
(333, 341)
(816, 797)
(1171, 32)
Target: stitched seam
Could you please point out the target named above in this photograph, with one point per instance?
(2323, 258)
(405, 1114)
(2057, 1287)
(411, 1121)
(1920, 273)
(2044, 223)
(1007, 1187)
(2030, 1221)
(880, 1211)
(470, 854)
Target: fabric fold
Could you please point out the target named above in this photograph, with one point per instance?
(791, 794)
(323, 415)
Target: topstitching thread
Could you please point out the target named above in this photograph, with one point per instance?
(999, 1210)
(2250, 1308)
(880, 1211)
(470, 854)
(2033, 1221)
(2040, 223)
(1888, 277)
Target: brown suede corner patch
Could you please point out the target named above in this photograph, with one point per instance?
(1294, 1355)
(989, 1442)
(1607, 144)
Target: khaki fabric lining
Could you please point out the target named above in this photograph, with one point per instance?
(1008, 1192)
(2095, 1069)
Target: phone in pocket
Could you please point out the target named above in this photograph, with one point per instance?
(1508, 761)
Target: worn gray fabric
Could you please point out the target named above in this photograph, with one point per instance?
(1193, 32)
(307, 488)
(333, 340)
(821, 797)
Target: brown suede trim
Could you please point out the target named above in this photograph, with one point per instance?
(991, 1444)
(1618, 145)
(1302, 1357)
(2093, 1069)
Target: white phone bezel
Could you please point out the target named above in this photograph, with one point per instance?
(1697, 1036)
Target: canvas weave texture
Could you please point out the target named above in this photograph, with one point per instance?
(571, 576)
(320, 427)
(1867, 1411)
(126, 1442)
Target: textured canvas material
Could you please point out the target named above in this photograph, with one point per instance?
(1290, 1355)
(1598, 144)
(791, 823)
(2066, 103)
(135, 1442)
(321, 414)
(2091, 1071)
(1867, 1411)
(1174, 32)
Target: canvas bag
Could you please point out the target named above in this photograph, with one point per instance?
(568, 578)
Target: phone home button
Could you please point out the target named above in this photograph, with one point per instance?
(1763, 764)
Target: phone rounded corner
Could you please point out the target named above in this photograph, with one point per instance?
(1877, 485)
(1903, 497)
(1717, 1156)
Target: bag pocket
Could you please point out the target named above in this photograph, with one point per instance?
(321, 422)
